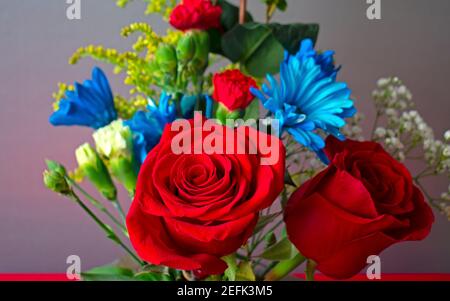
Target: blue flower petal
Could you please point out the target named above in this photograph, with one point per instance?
(91, 104)
(308, 97)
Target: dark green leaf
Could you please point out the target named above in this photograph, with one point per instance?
(255, 47)
(260, 47)
(252, 111)
(230, 15)
(282, 250)
(290, 35)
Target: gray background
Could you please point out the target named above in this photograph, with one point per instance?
(38, 229)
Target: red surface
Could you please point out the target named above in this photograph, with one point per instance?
(34, 277)
(318, 277)
(386, 277)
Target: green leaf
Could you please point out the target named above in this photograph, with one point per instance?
(230, 272)
(230, 15)
(153, 276)
(245, 272)
(282, 250)
(290, 35)
(108, 273)
(264, 220)
(228, 19)
(252, 111)
(260, 47)
(255, 47)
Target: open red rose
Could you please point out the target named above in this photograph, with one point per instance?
(196, 14)
(362, 203)
(192, 209)
(232, 88)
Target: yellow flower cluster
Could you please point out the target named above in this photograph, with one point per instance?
(58, 95)
(126, 108)
(162, 7)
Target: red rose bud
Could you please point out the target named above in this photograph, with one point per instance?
(362, 203)
(195, 14)
(192, 208)
(232, 89)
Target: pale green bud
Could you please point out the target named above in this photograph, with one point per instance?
(115, 145)
(95, 170)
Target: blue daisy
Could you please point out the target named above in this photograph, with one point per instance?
(147, 127)
(308, 97)
(91, 104)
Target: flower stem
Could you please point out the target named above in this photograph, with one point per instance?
(99, 206)
(106, 228)
(310, 269)
(284, 267)
(242, 10)
(119, 208)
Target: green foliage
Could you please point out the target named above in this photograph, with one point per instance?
(259, 47)
(228, 19)
(252, 111)
(108, 273)
(245, 272)
(282, 250)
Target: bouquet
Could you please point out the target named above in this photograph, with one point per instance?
(233, 177)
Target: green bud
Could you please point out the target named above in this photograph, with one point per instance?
(54, 178)
(95, 170)
(114, 144)
(199, 62)
(125, 171)
(186, 48)
(166, 58)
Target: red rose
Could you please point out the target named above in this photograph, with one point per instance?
(232, 88)
(362, 203)
(192, 209)
(196, 14)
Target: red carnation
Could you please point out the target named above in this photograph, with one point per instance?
(232, 88)
(196, 14)
(362, 203)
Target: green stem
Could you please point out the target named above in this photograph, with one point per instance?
(284, 267)
(119, 208)
(99, 206)
(261, 237)
(310, 269)
(106, 228)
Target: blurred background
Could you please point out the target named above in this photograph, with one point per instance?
(39, 229)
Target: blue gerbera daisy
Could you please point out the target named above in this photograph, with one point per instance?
(147, 127)
(308, 97)
(90, 104)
